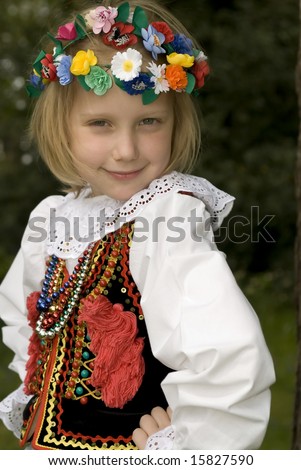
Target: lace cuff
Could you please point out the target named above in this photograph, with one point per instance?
(161, 440)
(11, 410)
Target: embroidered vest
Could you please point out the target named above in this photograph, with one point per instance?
(91, 370)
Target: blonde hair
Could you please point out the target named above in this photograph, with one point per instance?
(49, 124)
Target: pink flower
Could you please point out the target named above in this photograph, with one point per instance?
(101, 19)
(66, 32)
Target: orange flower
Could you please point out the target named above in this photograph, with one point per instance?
(176, 77)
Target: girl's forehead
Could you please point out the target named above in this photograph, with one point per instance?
(119, 103)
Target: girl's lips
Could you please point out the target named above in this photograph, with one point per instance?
(124, 175)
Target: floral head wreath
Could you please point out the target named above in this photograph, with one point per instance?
(185, 68)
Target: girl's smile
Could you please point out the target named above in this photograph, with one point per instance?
(119, 144)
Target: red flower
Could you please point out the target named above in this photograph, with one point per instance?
(67, 32)
(120, 36)
(48, 68)
(163, 28)
(200, 70)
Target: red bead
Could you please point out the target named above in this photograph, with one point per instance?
(107, 273)
(76, 364)
(68, 394)
(103, 283)
(84, 400)
(80, 333)
(71, 383)
(78, 344)
(78, 355)
(74, 374)
(114, 253)
(111, 264)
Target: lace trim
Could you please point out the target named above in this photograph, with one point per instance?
(82, 220)
(12, 408)
(161, 440)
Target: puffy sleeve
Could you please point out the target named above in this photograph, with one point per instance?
(201, 326)
(24, 277)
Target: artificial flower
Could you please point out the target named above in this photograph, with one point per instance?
(67, 32)
(101, 19)
(200, 57)
(126, 65)
(36, 81)
(200, 70)
(82, 62)
(48, 68)
(120, 36)
(63, 69)
(158, 77)
(177, 77)
(152, 41)
(185, 60)
(138, 85)
(99, 80)
(163, 28)
(182, 44)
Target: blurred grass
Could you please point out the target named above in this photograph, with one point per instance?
(271, 296)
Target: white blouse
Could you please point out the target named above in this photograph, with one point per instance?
(198, 320)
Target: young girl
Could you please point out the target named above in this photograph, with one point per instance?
(128, 328)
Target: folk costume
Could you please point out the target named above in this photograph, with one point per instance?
(113, 308)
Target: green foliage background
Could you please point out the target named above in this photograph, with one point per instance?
(250, 124)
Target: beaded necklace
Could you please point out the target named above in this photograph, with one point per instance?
(58, 299)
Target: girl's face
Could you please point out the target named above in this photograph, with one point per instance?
(119, 144)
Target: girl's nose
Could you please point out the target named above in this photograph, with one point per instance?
(125, 146)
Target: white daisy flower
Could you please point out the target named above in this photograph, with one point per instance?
(126, 65)
(158, 78)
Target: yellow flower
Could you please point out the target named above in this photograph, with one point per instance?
(185, 60)
(82, 62)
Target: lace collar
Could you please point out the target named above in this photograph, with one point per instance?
(81, 220)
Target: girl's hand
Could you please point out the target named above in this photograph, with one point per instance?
(150, 424)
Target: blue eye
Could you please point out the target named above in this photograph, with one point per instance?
(148, 121)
